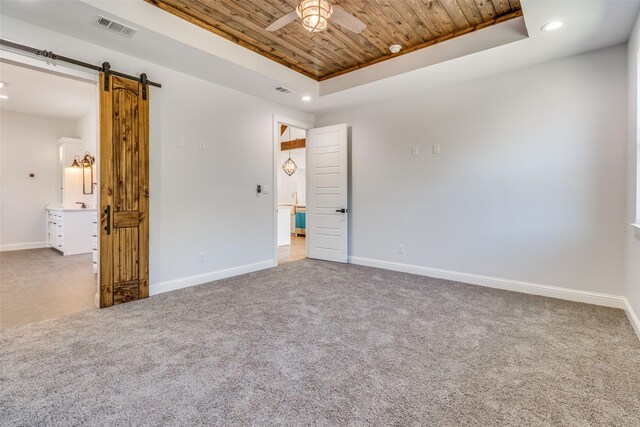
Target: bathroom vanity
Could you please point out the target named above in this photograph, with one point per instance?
(71, 230)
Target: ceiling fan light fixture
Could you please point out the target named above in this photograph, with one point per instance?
(314, 14)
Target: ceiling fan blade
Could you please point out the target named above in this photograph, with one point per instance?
(286, 19)
(347, 20)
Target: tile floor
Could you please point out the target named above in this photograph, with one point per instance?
(293, 252)
(39, 284)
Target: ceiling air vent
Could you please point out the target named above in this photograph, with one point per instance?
(283, 90)
(115, 26)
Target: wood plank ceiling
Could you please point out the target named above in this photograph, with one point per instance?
(413, 24)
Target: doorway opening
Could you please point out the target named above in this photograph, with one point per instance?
(291, 193)
(49, 193)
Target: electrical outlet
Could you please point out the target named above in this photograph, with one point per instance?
(202, 144)
(181, 142)
(266, 189)
(414, 151)
(400, 249)
(436, 149)
(203, 256)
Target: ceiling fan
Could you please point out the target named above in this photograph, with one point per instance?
(315, 15)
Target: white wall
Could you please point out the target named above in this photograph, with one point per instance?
(28, 144)
(200, 201)
(632, 284)
(529, 185)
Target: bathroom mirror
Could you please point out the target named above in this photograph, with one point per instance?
(87, 179)
(88, 166)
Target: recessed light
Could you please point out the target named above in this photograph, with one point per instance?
(306, 98)
(4, 97)
(553, 25)
(395, 48)
(1, 85)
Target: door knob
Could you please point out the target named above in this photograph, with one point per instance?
(341, 210)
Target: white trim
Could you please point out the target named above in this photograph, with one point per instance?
(498, 283)
(199, 279)
(633, 317)
(23, 246)
(277, 119)
(635, 227)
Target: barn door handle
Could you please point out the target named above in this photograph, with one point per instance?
(107, 212)
(341, 210)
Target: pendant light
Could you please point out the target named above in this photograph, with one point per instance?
(289, 167)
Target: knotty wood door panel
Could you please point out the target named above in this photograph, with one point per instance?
(124, 191)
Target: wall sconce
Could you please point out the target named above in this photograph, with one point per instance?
(87, 162)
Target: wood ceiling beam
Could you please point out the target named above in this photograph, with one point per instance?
(293, 144)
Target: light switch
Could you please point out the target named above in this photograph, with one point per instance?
(202, 144)
(414, 151)
(436, 149)
(266, 189)
(181, 142)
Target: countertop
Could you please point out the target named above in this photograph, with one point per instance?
(74, 209)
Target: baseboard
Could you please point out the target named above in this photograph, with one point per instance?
(23, 246)
(633, 317)
(185, 282)
(498, 283)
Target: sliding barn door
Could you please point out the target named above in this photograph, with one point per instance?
(124, 191)
(327, 193)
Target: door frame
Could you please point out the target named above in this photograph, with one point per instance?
(65, 71)
(277, 121)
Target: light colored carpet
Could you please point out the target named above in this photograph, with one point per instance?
(314, 343)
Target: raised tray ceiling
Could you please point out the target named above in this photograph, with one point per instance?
(413, 24)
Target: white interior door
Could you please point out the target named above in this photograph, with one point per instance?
(327, 193)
